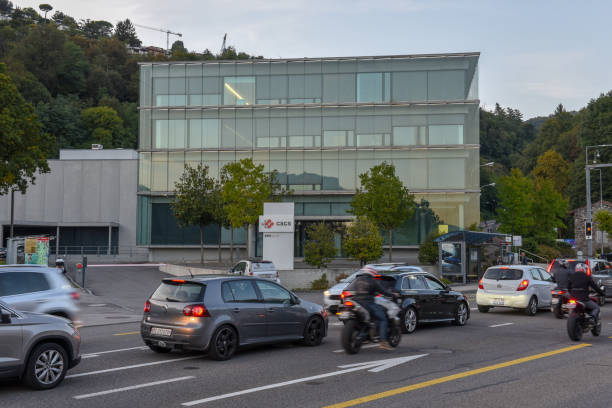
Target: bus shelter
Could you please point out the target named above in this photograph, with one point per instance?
(461, 253)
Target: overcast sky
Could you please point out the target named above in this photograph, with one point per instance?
(534, 54)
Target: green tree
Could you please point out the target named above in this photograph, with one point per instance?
(126, 32)
(219, 214)
(24, 146)
(104, 126)
(362, 241)
(515, 203)
(194, 203)
(45, 8)
(61, 118)
(428, 250)
(245, 188)
(553, 168)
(319, 249)
(548, 211)
(383, 199)
(96, 29)
(603, 219)
(6, 7)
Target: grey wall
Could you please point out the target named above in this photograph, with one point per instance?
(80, 191)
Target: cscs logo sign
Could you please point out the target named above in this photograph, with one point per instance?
(276, 223)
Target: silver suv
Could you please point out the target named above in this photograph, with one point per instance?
(39, 289)
(259, 269)
(37, 348)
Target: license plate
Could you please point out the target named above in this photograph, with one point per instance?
(344, 315)
(555, 301)
(498, 301)
(158, 331)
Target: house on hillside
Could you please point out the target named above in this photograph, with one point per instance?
(600, 238)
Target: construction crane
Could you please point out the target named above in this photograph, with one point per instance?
(223, 45)
(168, 32)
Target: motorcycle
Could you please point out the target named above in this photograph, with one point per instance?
(579, 321)
(359, 327)
(560, 297)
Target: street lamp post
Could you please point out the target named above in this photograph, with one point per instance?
(589, 214)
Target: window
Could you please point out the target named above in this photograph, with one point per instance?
(546, 276)
(413, 282)
(370, 87)
(273, 293)
(183, 292)
(338, 88)
(433, 284)
(535, 274)
(446, 85)
(239, 90)
(408, 135)
(445, 134)
(503, 274)
(409, 86)
(241, 291)
(17, 283)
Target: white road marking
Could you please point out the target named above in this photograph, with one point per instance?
(372, 366)
(133, 387)
(500, 325)
(97, 304)
(363, 347)
(110, 370)
(337, 324)
(90, 355)
(474, 308)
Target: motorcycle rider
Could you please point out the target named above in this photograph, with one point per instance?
(562, 274)
(365, 288)
(578, 285)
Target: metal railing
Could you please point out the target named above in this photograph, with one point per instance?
(535, 256)
(99, 250)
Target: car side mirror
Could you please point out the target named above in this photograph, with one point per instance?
(6, 317)
(295, 300)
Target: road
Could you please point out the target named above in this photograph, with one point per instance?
(502, 358)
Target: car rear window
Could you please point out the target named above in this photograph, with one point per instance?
(556, 266)
(171, 291)
(503, 274)
(17, 283)
(263, 266)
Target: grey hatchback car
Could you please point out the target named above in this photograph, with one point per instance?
(37, 348)
(219, 314)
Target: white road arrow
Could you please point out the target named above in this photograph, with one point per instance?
(372, 366)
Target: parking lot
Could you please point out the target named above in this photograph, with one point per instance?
(499, 358)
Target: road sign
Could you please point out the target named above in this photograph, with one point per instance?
(517, 240)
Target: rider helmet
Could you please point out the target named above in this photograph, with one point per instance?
(581, 267)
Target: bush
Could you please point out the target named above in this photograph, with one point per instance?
(565, 249)
(445, 281)
(530, 244)
(320, 284)
(362, 241)
(428, 250)
(319, 249)
(341, 276)
(549, 252)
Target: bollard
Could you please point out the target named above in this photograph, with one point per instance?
(84, 269)
(79, 269)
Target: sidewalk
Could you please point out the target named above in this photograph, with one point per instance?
(97, 311)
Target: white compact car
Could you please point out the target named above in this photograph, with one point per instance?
(260, 269)
(515, 286)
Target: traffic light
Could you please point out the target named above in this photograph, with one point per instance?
(588, 230)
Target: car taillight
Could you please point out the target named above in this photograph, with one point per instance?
(75, 295)
(523, 285)
(480, 285)
(572, 301)
(147, 307)
(557, 292)
(550, 266)
(324, 313)
(345, 294)
(196, 311)
(250, 273)
(349, 303)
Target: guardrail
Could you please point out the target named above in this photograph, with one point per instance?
(546, 261)
(99, 250)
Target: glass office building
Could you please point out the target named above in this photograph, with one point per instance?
(320, 123)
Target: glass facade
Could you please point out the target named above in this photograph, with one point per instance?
(320, 123)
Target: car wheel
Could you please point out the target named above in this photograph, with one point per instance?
(409, 320)
(159, 349)
(223, 344)
(313, 333)
(483, 309)
(461, 314)
(532, 307)
(46, 367)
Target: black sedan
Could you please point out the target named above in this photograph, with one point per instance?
(424, 299)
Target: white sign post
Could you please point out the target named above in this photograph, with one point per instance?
(277, 225)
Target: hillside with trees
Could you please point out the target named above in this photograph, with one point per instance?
(81, 77)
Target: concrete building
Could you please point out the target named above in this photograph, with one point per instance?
(87, 203)
(320, 123)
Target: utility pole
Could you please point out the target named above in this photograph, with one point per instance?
(12, 210)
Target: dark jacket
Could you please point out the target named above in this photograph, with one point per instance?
(579, 284)
(562, 277)
(365, 288)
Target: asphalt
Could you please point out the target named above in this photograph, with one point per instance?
(495, 360)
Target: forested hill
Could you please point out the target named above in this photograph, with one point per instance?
(80, 75)
(83, 82)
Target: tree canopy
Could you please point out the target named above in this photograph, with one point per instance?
(25, 147)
